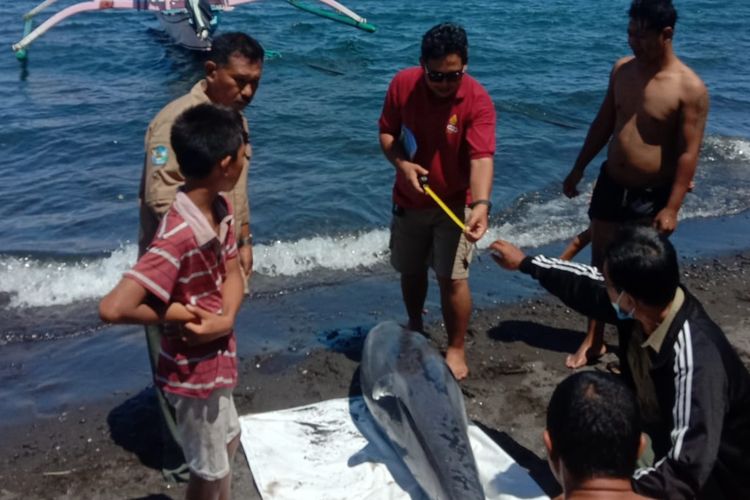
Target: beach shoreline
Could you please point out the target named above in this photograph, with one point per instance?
(515, 351)
(77, 412)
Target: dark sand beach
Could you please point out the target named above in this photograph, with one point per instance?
(516, 355)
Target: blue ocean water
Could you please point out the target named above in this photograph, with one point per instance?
(73, 122)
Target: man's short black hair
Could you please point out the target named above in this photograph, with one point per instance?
(445, 39)
(226, 45)
(655, 14)
(204, 135)
(595, 426)
(644, 264)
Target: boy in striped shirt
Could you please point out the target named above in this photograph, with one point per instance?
(190, 279)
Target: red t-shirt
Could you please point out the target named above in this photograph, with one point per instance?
(449, 133)
(186, 263)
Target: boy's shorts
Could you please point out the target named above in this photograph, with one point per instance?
(206, 427)
(429, 238)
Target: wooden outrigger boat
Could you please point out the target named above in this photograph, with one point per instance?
(190, 23)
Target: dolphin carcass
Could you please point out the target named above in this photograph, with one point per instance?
(417, 403)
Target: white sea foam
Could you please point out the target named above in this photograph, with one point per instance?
(48, 282)
(536, 224)
(334, 253)
(726, 148)
(31, 282)
(533, 221)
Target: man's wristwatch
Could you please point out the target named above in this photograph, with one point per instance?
(482, 202)
(247, 240)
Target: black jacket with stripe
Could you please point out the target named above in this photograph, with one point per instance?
(703, 390)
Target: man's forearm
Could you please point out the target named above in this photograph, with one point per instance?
(244, 236)
(129, 303)
(692, 128)
(142, 314)
(684, 173)
(233, 290)
(145, 314)
(175, 313)
(151, 314)
(580, 287)
(480, 179)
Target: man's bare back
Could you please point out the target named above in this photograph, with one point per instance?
(649, 103)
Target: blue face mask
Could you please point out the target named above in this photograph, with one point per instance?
(622, 315)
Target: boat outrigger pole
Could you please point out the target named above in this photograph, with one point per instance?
(343, 15)
(30, 33)
(339, 13)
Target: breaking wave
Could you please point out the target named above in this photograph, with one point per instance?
(533, 219)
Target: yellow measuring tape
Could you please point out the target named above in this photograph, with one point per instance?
(448, 211)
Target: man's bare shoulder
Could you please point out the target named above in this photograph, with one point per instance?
(621, 66)
(692, 86)
(622, 62)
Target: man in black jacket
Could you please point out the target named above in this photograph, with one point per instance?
(693, 390)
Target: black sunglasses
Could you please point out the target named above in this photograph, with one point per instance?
(438, 76)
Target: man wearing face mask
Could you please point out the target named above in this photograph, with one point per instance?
(232, 74)
(692, 388)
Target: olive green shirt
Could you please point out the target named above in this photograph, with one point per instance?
(640, 350)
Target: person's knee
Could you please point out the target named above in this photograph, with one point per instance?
(453, 287)
(414, 276)
(414, 282)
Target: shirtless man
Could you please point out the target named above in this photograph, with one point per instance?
(653, 117)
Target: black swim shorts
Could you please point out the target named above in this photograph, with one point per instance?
(612, 202)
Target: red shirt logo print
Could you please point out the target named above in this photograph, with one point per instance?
(451, 128)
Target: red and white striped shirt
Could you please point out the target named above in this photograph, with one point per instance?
(186, 263)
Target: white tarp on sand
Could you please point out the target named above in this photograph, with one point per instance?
(332, 450)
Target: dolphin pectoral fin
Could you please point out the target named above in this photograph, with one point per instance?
(369, 453)
(383, 388)
(360, 457)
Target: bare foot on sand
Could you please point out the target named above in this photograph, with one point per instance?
(455, 358)
(585, 354)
